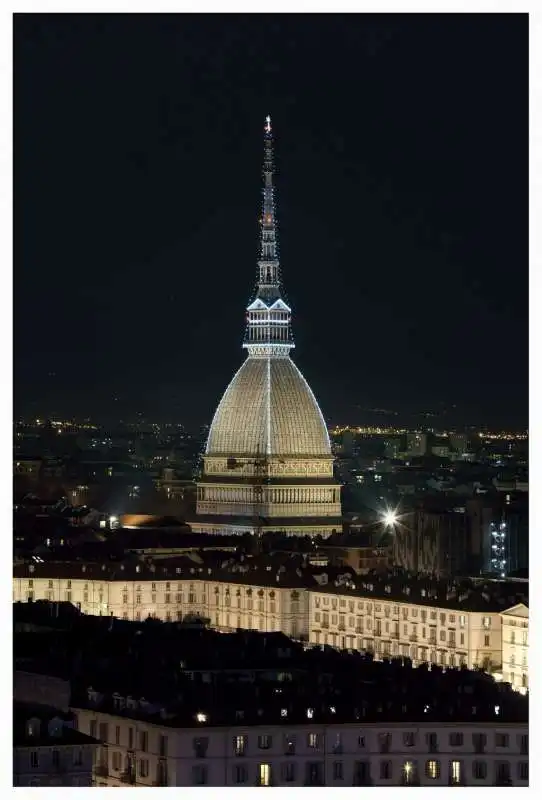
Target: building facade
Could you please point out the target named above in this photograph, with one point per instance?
(515, 647)
(268, 464)
(141, 753)
(435, 632)
(391, 628)
(48, 750)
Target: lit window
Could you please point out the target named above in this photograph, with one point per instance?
(455, 771)
(264, 775)
(432, 769)
(408, 772)
(312, 740)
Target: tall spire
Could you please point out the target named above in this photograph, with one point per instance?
(268, 329)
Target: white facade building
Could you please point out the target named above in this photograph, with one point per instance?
(423, 633)
(515, 646)
(141, 753)
(336, 617)
(228, 606)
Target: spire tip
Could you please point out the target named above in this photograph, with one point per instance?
(268, 124)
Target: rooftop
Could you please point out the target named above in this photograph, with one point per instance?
(41, 726)
(291, 570)
(196, 678)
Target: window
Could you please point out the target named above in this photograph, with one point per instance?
(523, 770)
(93, 728)
(55, 757)
(385, 770)
(240, 744)
(524, 744)
(312, 740)
(384, 740)
(78, 757)
(432, 770)
(130, 738)
(455, 771)
(501, 740)
(143, 741)
(264, 741)
(200, 744)
(479, 770)
(288, 772)
(289, 745)
(443, 619)
(408, 772)
(162, 746)
(144, 768)
(34, 759)
(502, 770)
(462, 620)
(486, 640)
(117, 734)
(486, 622)
(409, 739)
(361, 742)
(199, 775)
(264, 774)
(240, 773)
(456, 739)
(338, 774)
(116, 761)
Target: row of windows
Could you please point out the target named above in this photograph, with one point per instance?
(357, 622)
(314, 740)
(314, 772)
(57, 758)
(393, 610)
(101, 731)
(388, 610)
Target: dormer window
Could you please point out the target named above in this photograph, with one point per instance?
(33, 727)
(56, 727)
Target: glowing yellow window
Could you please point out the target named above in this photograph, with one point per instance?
(265, 774)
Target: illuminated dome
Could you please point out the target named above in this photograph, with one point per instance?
(268, 408)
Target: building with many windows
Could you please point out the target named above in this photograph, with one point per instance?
(515, 646)
(48, 750)
(388, 615)
(176, 706)
(150, 753)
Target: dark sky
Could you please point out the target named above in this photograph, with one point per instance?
(402, 155)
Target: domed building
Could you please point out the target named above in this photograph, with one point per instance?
(268, 464)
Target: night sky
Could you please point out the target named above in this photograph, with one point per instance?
(402, 189)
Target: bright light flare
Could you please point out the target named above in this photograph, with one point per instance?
(390, 518)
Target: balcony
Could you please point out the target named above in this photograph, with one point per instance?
(413, 637)
(101, 770)
(128, 776)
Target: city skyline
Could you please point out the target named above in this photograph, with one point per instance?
(135, 231)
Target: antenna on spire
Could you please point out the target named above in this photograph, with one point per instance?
(267, 126)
